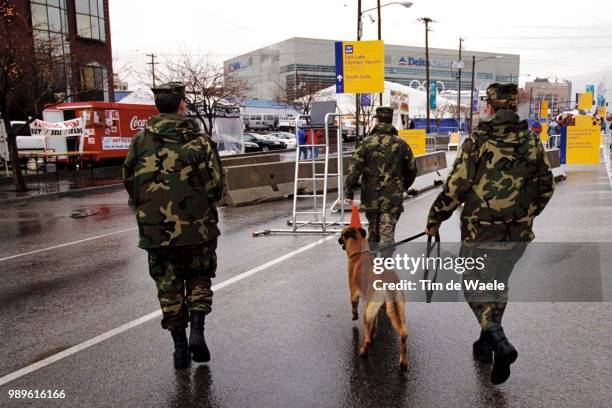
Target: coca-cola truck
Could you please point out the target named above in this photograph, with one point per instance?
(108, 128)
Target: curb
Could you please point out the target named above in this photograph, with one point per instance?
(59, 194)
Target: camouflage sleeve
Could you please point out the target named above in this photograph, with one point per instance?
(458, 183)
(409, 168)
(129, 164)
(544, 180)
(211, 171)
(354, 172)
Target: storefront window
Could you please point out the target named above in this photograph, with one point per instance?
(51, 46)
(94, 83)
(90, 19)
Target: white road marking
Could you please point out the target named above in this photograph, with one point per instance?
(37, 251)
(130, 325)
(125, 327)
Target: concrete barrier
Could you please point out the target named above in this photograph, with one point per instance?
(248, 184)
(554, 158)
(240, 160)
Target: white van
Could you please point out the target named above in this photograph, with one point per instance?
(260, 122)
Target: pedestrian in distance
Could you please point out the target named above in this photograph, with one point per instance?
(302, 140)
(174, 178)
(387, 168)
(502, 177)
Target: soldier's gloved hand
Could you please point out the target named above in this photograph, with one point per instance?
(432, 229)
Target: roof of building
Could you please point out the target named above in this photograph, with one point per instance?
(265, 104)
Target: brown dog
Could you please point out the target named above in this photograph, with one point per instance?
(361, 284)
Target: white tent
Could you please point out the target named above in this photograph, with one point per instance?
(141, 96)
(394, 94)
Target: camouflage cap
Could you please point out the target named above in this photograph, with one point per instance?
(169, 91)
(502, 96)
(384, 112)
(170, 88)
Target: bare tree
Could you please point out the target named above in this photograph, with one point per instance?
(441, 111)
(207, 85)
(301, 94)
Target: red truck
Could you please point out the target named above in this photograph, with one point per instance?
(108, 127)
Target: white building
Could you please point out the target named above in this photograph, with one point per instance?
(272, 70)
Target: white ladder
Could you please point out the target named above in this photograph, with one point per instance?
(316, 216)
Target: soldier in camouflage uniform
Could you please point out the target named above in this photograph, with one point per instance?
(387, 168)
(174, 178)
(503, 179)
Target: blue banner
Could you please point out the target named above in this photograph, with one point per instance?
(433, 90)
(366, 100)
(339, 68)
(475, 100)
(563, 145)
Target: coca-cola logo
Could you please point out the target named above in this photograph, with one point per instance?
(138, 124)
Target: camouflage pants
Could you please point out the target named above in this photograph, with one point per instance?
(183, 280)
(381, 228)
(499, 259)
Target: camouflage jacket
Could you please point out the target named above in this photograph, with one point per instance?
(388, 168)
(502, 177)
(174, 178)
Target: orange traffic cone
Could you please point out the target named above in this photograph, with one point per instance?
(355, 218)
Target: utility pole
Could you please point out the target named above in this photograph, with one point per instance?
(357, 96)
(152, 64)
(426, 21)
(380, 96)
(459, 87)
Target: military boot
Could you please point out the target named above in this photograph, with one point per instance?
(197, 344)
(504, 354)
(181, 350)
(482, 348)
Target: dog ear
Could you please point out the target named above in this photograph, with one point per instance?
(341, 242)
(363, 232)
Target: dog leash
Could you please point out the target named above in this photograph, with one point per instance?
(433, 242)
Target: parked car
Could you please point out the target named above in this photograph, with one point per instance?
(251, 147)
(264, 143)
(286, 137)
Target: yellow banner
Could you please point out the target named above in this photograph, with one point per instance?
(583, 120)
(544, 109)
(583, 144)
(364, 66)
(585, 101)
(601, 111)
(415, 139)
(544, 134)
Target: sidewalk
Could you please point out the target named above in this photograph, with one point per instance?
(69, 182)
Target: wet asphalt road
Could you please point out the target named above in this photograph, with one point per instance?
(282, 336)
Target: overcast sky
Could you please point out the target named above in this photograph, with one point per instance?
(554, 38)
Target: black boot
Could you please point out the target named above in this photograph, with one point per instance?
(197, 344)
(483, 351)
(504, 354)
(181, 350)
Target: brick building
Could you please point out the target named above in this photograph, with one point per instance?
(558, 94)
(79, 31)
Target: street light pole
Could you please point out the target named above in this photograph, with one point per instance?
(472, 93)
(427, 20)
(459, 88)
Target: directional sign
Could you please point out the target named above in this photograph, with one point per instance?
(585, 101)
(360, 67)
(544, 109)
(415, 139)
